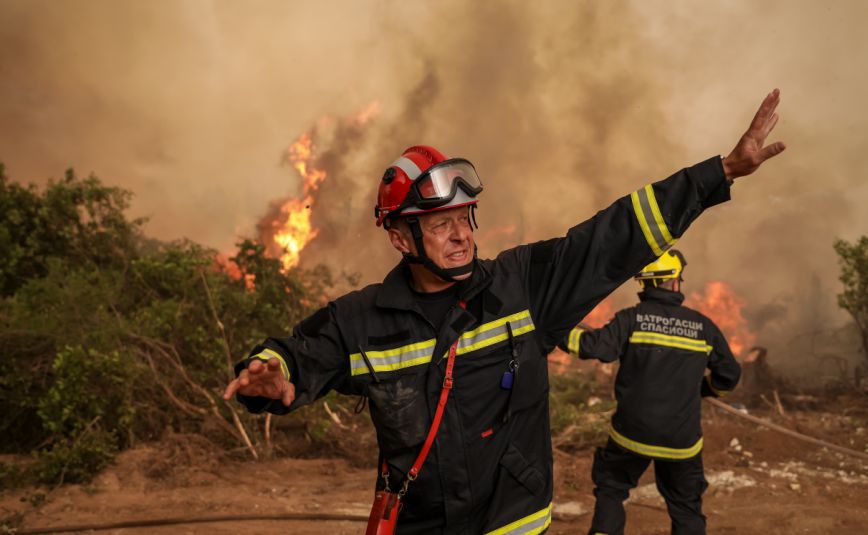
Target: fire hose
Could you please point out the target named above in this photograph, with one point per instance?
(363, 517)
(190, 520)
(789, 432)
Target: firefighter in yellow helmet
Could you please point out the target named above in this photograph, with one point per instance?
(664, 350)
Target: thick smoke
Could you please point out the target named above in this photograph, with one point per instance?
(562, 108)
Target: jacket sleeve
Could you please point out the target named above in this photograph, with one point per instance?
(606, 344)
(725, 370)
(313, 359)
(566, 277)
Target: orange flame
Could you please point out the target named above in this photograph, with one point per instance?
(293, 229)
(721, 304)
(562, 362)
(601, 314)
(223, 263)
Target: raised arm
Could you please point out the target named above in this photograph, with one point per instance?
(566, 277)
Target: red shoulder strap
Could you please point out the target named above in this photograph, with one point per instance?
(438, 415)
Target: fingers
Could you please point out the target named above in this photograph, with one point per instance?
(262, 379)
(772, 150)
(765, 111)
(256, 367)
(273, 365)
(231, 388)
(288, 394)
(770, 125)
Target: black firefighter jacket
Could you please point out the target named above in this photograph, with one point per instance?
(665, 349)
(490, 470)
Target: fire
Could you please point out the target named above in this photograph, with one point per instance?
(721, 304)
(562, 362)
(601, 314)
(292, 229)
(223, 263)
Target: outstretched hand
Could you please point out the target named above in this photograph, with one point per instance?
(750, 153)
(262, 379)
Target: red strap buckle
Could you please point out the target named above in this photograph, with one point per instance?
(447, 383)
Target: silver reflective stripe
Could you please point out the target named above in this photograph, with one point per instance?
(649, 217)
(393, 359)
(651, 220)
(529, 525)
(408, 166)
(495, 332)
(419, 353)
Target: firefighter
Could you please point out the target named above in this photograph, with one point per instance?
(447, 326)
(664, 349)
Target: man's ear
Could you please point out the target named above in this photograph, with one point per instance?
(399, 240)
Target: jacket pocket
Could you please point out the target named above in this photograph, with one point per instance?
(522, 470)
(531, 381)
(399, 411)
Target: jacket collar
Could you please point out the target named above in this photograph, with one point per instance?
(659, 295)
(395, 292)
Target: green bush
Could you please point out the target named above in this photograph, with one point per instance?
(78, 458)
(107, 337)
(575, 422)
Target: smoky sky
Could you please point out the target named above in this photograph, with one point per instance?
(562, 106)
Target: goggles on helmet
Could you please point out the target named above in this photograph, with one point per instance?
(437, 186)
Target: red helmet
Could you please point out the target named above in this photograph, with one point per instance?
(422, 180)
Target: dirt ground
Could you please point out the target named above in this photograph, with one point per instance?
(761, 482)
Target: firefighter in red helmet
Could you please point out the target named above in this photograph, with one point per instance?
(450, 350)
(423, 181)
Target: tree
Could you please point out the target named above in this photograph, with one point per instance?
(853, 258)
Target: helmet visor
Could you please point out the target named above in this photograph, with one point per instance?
(439, 184)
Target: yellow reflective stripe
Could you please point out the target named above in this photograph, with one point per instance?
(651, 220)
(419, 353)
(267, 354)
(658, 217)
(474, 340)
(529, 525)
(575, 340)
(678, 342)
(658, 452)
(640, 216)
(719, 393)
(389, 360)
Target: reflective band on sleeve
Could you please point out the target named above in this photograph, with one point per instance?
(656, 452)
(574, 341)
(651, 220)
(678, 342)
(419, 353)
(267, 354)
(529, 525)
(719, 393)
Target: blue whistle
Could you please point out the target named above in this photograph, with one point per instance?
(506, 380)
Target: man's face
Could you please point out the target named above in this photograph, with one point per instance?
(447, 235)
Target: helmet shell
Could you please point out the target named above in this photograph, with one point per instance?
(670, 265)
(399, 178)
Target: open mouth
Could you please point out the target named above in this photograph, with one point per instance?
(458, 256)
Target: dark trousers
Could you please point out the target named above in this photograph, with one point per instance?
(616, 471)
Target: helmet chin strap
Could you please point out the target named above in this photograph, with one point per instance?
(447, 274)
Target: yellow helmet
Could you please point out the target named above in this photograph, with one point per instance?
(669, 265)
